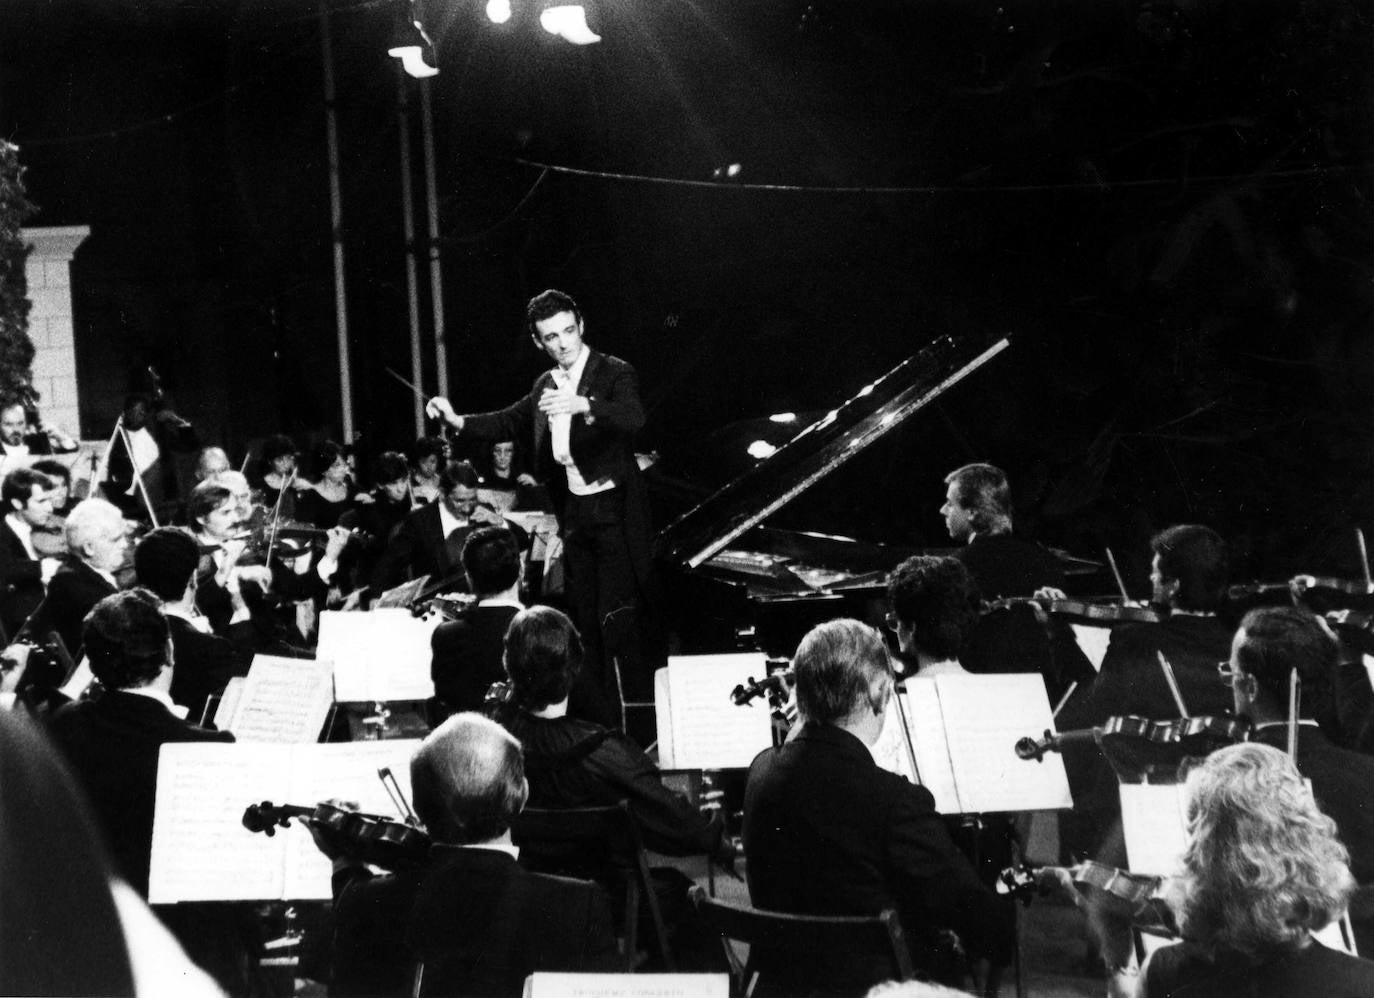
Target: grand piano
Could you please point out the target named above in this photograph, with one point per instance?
(737, 582)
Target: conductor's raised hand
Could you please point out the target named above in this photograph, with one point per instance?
(440, 408)
(563, 401)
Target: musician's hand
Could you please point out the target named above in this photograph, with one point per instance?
(326, 840)
(563, 402)
(483, 514)
(525, 478)
(13, 661)
(48, 568)
(365, 498)
(1049, 592)
(260, 574)
(336, 539)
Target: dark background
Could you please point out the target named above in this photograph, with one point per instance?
(1166, 204)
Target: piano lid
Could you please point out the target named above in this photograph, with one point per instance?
(825, 445)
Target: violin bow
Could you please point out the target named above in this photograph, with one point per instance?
(1294, 695)
(276, 516)
(1063, 701)
(1364, 560)
(1116, 573)
(393, 790)
(906, 733)
(1173, 683)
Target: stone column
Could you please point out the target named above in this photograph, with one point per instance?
(48, 271)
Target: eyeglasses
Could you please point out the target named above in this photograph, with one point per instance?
(890, 619)
(1228, 675)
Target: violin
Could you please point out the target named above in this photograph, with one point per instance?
(775, 685)
(1218, 730)
(1098, 613)
(1354, 620)
(1134, 896)
(372, 838)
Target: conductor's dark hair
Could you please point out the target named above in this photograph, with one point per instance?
(1197, 557)
(125, 637)
(491, 559)
(389, 466)
(1279, 639)
(54, 470)
(546, 305)
(543, 654)
(205, 499)
(938, 597)
(458, 473)
(837, 666)
(19, 485)
(468, 780)
(982, 489)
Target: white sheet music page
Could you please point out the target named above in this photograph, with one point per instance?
(228, 704)
(379, 655)
(284, 700)
(985, 715)
(929, 741)
(344, 771)
(543, 984)
(663, 714)
(1093, 641)
(709, 730)
(1154, 818)
(201, 851)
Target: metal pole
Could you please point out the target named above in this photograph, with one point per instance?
(336, 225)
(436, 279)
(408, 229)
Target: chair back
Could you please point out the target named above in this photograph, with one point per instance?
(787, 952)
(583, 842)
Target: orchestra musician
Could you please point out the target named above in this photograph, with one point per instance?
(97, 538)
(581, 418)
(112, 745)
(165, 561)
(324, 501)
(24, 575)
(428, 456)
(476, 919)
(18, 440)
(1004, 565)
(430, 540)
(827, 832)
(1269, 644)
(279, 457)
(150, 434)
(378, 514)
(1262, 871)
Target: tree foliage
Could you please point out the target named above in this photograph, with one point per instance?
(16, 349)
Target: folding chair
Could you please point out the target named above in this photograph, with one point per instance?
(799, 940)
(568, 841)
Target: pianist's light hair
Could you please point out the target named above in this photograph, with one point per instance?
(1263, 866)
(841, 665)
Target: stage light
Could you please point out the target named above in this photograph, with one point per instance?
(498, 11)
(412, 46)
(783, 417)
(569, 22)
(760, 449)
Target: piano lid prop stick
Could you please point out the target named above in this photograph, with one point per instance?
(1064, 699)
(1294, 693)
(418, 394)
(1364, 560)
(1116, 572)
(1173, 683)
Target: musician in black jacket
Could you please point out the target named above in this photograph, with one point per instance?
(827, 832)
(97, 545)
(27, 497)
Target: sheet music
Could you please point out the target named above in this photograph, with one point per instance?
(228, 703)
(985, 715)
(379, 655)
(708, 730)
(921, 702)
(1154, 818)
(202, 852)
(344, 771)
(283, 700)
(554, 985)
(1093, 641)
